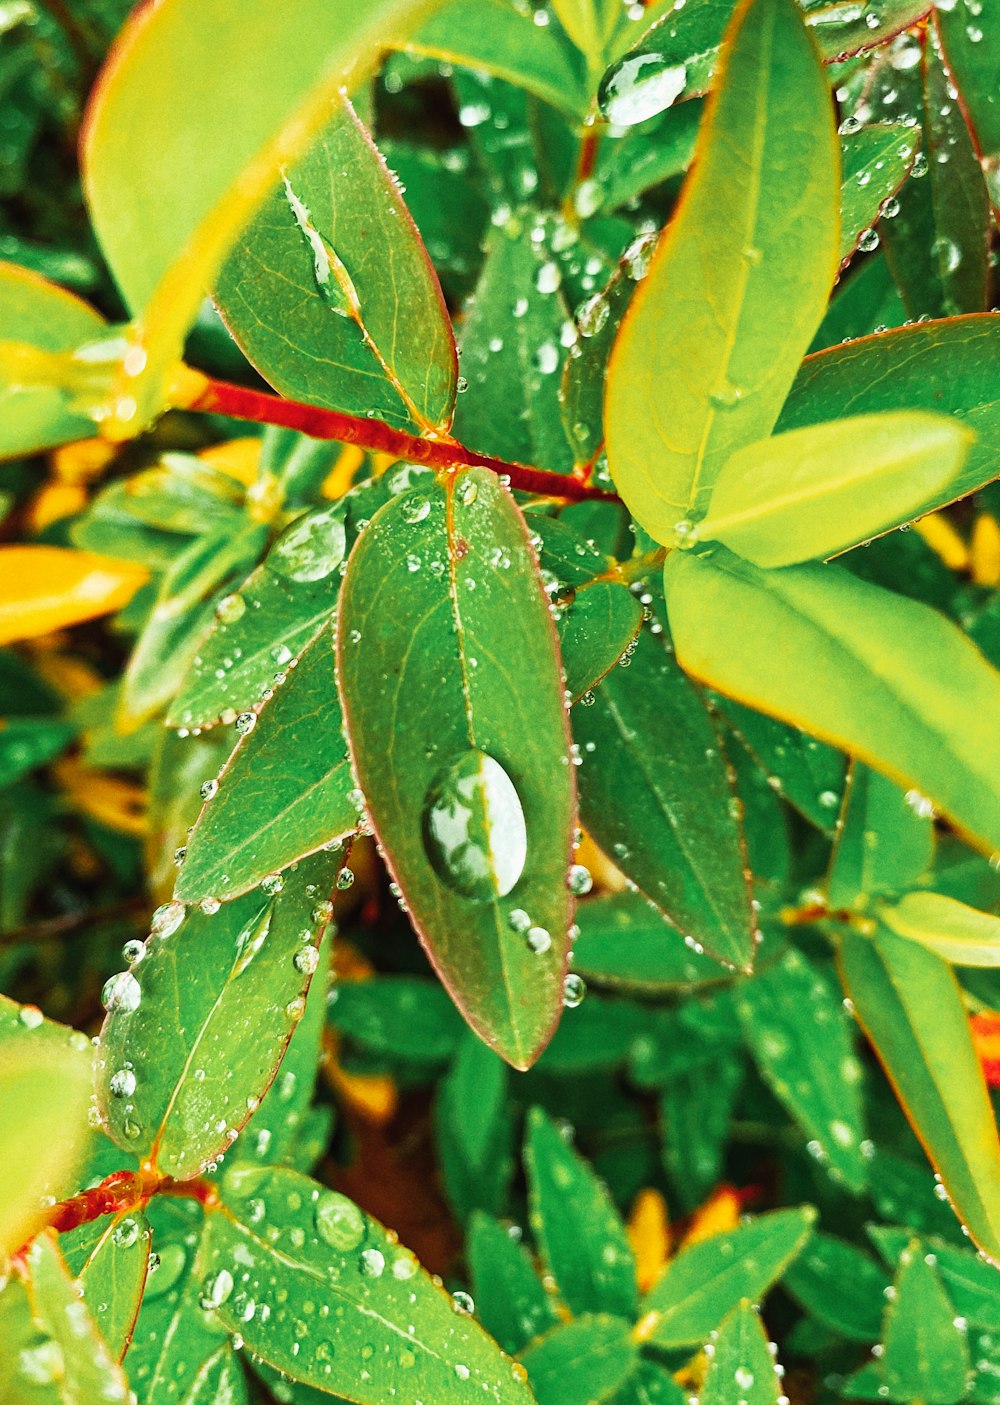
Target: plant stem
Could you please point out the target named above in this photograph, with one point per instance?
(220, 397)
(121, 1191)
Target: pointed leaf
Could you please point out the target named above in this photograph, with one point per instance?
(840, 1286)
(44, 588)
(475, 1131)
(793, 1020)
(703, 1282)
(586, 1359)
(970, 1283)
(970, 40)
(453, 698)
(511, 1302)
(625, 943)
(36, 313)
(739, 281)
(656, 794)
(110, 1258)
(329, 260)
(884, 841)
(195, 1032)
(910, 1006)
(579, 1231)
(286, 790)
(398, 1017)
(854, 665)
(311, 1242)
(820, 490)
(958, 934)
(926, 1355)
(742, 1368)
(696, 1110)
(874, 161)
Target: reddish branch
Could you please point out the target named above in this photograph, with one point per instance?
(120, 1192)
(222, 398)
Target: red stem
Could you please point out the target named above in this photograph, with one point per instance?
(222, 398)
(121, 1191)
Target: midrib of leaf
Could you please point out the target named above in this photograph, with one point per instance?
(759, 133)
(327, 264)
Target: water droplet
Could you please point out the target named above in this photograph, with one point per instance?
(372, 1263)
(345, 879)
(463, 1303)
(868, 241)
(574, 991)
(539, 940)
(744, 1378)
(312, 547)
(121, 994)
(474, 829)
(126, 1233)
(416, 510)
(592, 315)
(217, 1289)
(306, 959)
(230, 608)
(133, 951)
(548, 277)
(272, 884)
(208, 789)
(638, 87)
(518, 920)
(246, 722)
(578, 880)
(122, 1083)
(339, 1222)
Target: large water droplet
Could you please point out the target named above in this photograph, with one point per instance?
(312, 547)
(339, 1221)
(121, 994)
(474, 829)
(640, 86)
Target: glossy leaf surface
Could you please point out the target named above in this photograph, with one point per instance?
(453, 699)
(307, 1241)
(932, 1064)
(587, 1358)
(855, 665)
(196, 1030)
(312, 289)
(284, 792)
(110, 1258)
(511, 1302)
(885, 841)
(625, 943)
(954, 931)
(742, 1367)
(840, 1286)
(655, 793)
(926, 1355)
(739, 280)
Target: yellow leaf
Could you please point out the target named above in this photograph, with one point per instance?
(115, 803)
(986, 550)
(81, 461)
(236, 457)
(43, 588)
(649, 1235)
(720, 1212)
(941, 537)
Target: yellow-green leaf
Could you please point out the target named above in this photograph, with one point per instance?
(739, 282)
(43, 588)
(816, 491)
(955, 932)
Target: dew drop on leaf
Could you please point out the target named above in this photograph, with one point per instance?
(638, 87)
(574, 991)
(474, 829)
(339, 1222)
(121, 994)
(311, 548)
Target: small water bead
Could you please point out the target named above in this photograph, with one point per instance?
(126, 1233)
(640, 86)
(339, 1222)
(272, 884)
(744, 1378)
(209, 906)
(518, 920)
(345, 879)
(122, 1083)
(312, 547)
(474, 829)
(133, 951)
(638, 256)
(548, 277)
(539, 940)
(416, 509)
(121, 994)
(579, 880)
(30, 1016)
(947, 253)
(849, 126)
(306, 959)
(180, 854)
(230, 609)
(463, 1303)
(372, 1263)
(592, 315)
(869, 241)
(217, 1289)
(574, 991)
(246, 722)
(547, 358)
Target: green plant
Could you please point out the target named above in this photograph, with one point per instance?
(600, 667)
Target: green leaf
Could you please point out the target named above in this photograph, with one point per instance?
(313, 287)
(586, 1359)
(598, 318)
(703, 1282)
(969, 42)
(50, 1338)
(840, 1286)
(513, 353)
(578, 1230)
(398, 1017)
(696, 1110)
(285, 792)
(742, 1359)
(926, 1355)
(46, 1076)
(278, 1233)
(805, 772)
(626, 944)
(195, 1032)
(37, 314)
(817, 491)
(854, 665)
(940, 366)
(958, 934)
(793, 1021)
(161, 98)
(27, 742)
(910, 1006)
(874, 164)
(970, 1283)
(597, 616)
(739, 280)
(884, 841)
(865, 299)
(493, 37)
(656, 794)
(474, 1130)
(110, 1258)
(511, 1302)
(651, 1384)
(457, 726)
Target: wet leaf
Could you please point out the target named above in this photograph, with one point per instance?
(840, 1286)
(793, 1021)
(852, 663)
(910, 1006)
(970, 1283)
(742, 1368)
(884, 842)
(312, 289)
(196, 1029)
(739, 280)
(398, 1017)
(957, 933)
(625, 943)
(44, 588)
(588, 1358)
(286, 790)
(655, 793)
(580, 1233)
(701, 1284)
(279, 1233)
(110, 1258)
(926, 1354)
(453, 699)
(511, 1302)
(875, 162)
(475, 1131)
